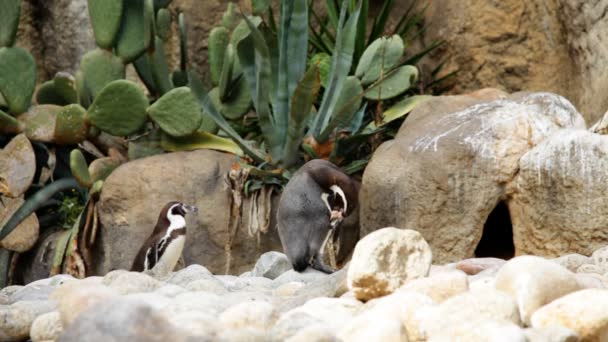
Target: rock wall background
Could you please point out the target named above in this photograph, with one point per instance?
(557, 45)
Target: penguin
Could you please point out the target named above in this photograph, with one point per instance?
(161, 251)
(320, 202)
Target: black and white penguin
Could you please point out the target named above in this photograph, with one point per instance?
(161, 251)
(320, 202)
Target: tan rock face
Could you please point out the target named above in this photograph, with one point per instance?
(583, 311)
(134, 194)
(448, 167)
(438, 287)
(385, 260)
(567, 171)
(534, 45)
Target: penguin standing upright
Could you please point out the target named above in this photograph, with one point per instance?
(161, 251)
(320, 202)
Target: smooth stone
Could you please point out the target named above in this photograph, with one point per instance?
(386, 259)
(46, 327)
(290, 325)
(314, 333)
(191, 273)
(585, 312)
(261, 316)
(439, 286)
(554, 333)
(199, 325)
(121, 319)
(288, 289)
(470, 307)
(16, 319)
(134, 282)
(482, 330)
(206, 302)
(156, 301)
(591, 280)
(170, 290)
(32, 292)
(309, 275)
(374, 325)
(600, 258)
(481, 283)
(410, 307)
(334, 312)
(238, 283)
(243, 335)
(475, 265)
(533, 282)
(112, 275)
(572, 261)
(209, 284)
(271, 265)
(74, 298)
(590, 268)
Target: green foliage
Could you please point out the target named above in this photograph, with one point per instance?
(177, 112)
(105, 19)
(119, 109)
(396, 83)
(101, 168)
(71, 126)
(163, 23)
(131, 43)
(8, 124)
(9, 21)
(70, 208)
(17, 78)
(100, 67)
(79, 168)
(59, 91)
(218, 42)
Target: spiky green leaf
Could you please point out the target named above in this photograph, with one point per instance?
(200, 140)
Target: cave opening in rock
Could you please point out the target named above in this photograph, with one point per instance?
(497, 238)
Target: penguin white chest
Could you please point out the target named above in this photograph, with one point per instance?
(170, 257)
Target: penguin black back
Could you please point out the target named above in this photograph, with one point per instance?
(305, 207)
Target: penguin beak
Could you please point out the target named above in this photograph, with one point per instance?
(190, 208)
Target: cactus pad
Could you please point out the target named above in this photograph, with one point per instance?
(131, 43)
(119, 109)
(80, 171)
(60, 91)
(159, 67)
(101, 168)
(8, 124)
(382, 55)
(9, 21)
(397, 83)
(17, 78)
(163, 23)
(177, 112)
(218, 42)
(71, 127)
(235, 106)
(105, 19)
(99, 68)
(144, 146)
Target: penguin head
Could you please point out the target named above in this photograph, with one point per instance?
(179, 209)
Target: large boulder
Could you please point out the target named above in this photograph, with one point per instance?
(556, 46)
(559, 203)
(135, 192)
(452, 161)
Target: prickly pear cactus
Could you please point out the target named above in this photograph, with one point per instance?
(105, 18)
(17, 78)
(381, 56)
(131, 43)
(100, 67)
(60, 91)
(71, 126)
(177, 112)
(9, 21)
(219, 38)
(119, 108)
(8, 124)
(79, 168)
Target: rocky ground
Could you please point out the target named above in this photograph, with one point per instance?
(390, 291)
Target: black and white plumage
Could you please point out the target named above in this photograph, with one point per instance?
(319, 203)
(161, 251)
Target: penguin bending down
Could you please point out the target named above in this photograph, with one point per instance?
(161, 251)
(319, 203)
